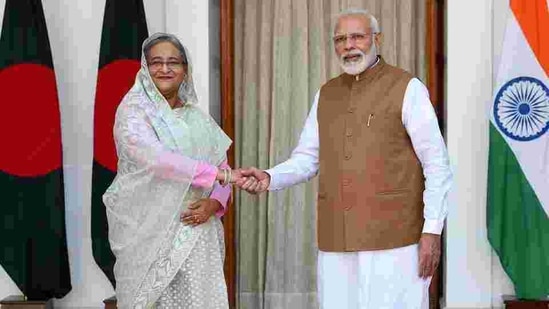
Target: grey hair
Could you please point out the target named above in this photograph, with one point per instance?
(353, 12)
(164, 37)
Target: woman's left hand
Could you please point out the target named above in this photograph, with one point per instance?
(200, 211)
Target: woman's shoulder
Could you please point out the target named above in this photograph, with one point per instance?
(198, 112)
(195, 108)
(134, 103)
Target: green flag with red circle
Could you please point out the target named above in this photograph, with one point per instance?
(124, 30)
(33, 245)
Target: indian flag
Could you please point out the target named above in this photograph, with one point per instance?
(518, 172)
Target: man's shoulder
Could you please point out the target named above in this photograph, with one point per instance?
(391, 71)
(334, 84)
(334, 81)
(398, 72)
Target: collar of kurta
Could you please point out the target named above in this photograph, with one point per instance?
(369, 72)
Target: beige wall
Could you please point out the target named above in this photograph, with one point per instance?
(473, 275)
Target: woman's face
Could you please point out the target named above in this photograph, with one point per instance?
(166, 68)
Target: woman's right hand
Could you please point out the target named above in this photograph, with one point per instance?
(220, 176)
(236, 176)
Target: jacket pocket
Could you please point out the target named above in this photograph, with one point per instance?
(393, 192)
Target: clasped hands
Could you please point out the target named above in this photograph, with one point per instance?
(251, 179)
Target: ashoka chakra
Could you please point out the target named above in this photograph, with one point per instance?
(521, 108)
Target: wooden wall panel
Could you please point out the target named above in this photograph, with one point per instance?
(227, 123)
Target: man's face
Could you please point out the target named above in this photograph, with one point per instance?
(354, 43)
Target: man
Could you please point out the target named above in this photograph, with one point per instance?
(383, 177)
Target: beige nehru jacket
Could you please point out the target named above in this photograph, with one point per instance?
(371, 181)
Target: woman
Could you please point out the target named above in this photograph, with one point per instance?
(164, 205)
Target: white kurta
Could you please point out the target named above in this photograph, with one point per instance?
(384, 278)
(371, 279)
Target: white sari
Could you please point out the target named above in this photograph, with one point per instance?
(161, 263)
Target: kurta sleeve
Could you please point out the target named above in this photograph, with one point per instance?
(420, 121)
(222, 194)
(204, 176)
(137, 142)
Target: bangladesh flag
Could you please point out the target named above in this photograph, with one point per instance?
(124, 30)
(33, 244)
(518, 174)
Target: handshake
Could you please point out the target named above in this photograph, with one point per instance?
(252, 180)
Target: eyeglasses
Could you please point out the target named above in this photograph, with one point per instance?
(172, 65)
(340, 40)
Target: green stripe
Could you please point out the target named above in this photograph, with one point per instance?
(518, 227)
(33, 244)
(102, 253)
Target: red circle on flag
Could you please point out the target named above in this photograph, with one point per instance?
(113, 82)
(30, 123)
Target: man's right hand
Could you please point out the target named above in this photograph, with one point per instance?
(254, 180)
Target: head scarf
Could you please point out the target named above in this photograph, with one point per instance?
(186, 91)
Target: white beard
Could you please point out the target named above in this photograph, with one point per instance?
(359, 65)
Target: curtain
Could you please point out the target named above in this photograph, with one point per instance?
(283, 54)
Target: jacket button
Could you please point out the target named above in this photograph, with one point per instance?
(349, 133)
(351, 110)
(348, 156)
